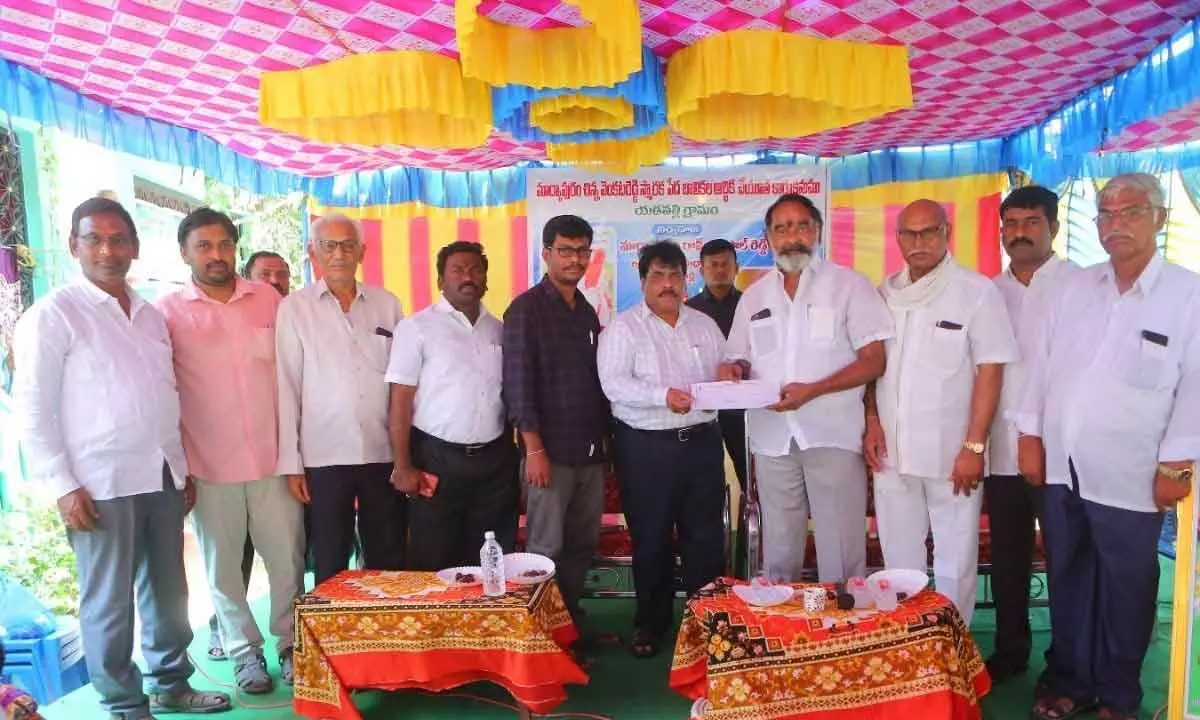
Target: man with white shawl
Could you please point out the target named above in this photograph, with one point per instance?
(929, 416)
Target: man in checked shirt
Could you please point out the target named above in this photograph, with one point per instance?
(553, 395)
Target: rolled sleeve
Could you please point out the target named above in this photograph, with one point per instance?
(868, 319)
(737, 347)
(404, 365)
(990, 331)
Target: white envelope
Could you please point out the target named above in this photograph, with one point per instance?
(744, 395)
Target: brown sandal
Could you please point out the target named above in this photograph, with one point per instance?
(1060, 708)
(644, 644)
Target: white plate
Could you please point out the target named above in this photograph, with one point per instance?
(699, 709)
(448, 576)
(909, 582)
(764, 596)
(517, 564)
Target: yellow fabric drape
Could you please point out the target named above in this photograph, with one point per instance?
(405, 97)
(574, 113)
(758, 84)
(602, 53)
(620, 156)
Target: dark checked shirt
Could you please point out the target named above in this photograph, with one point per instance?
(719, 310)
(550, 381)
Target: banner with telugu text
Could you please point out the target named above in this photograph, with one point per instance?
(860, 229)
(685, 206)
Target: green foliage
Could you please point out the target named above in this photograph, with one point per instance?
(275, 224)
(34, 552)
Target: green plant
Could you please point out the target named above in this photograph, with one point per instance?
(34, 552)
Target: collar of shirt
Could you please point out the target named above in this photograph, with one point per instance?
(443, 306)
(241, 289)
(730, 297)
(648, 315)
(806, 279)
(548, 287)
(1145, 282)
(99, 297)
(323, 289)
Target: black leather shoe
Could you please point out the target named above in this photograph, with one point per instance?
(1000, 669)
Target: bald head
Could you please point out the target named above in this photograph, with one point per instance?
(923, 233)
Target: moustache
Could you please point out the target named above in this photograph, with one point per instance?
(216, 266)
(1020, 241)
(668, 293)
(1116, 236)
(794, 249)
(464, 286)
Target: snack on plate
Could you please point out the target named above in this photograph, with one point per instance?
(901, 596)
(465, 578)
(534, 573)
(845, 601)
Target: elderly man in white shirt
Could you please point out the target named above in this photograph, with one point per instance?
(669, 456)
(1029, 221)
(99, 421)
(332, 344)
(818, 330)
(456, 458)
(1110, 421)
(928, 417)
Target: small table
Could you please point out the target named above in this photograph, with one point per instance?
(917, 661)
(396, 630)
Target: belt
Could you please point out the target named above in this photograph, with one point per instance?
(683, 434)
(470, 450)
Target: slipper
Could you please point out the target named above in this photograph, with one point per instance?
(644, 644)
(1060, 708)
(189, 701)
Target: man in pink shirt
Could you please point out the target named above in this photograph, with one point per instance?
(223, 332)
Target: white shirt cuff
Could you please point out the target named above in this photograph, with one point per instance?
(1026, 423)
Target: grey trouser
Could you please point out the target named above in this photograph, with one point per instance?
(829, 483)
(264, 510)
(564, 524)
(137, 543)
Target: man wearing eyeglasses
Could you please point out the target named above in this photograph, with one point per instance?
(818, 330)
(928, 417)
(1110, 423)
(333, 339)
(1029, 222)
(553, 395)
(99, 422)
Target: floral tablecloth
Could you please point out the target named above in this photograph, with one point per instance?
(918, 661)
(394, 630)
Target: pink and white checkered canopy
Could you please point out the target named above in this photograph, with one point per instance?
(980, 68)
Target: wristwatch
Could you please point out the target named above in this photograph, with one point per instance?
(975, 447)
(1184, 476)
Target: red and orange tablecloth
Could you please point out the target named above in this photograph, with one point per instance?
(918, 661)
(394, 630)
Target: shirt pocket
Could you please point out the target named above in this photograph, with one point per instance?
(262, 344)
(491, 361)
(156, 354)
(1146, 364)
(822, 324)
(946, 349)
(765, 337)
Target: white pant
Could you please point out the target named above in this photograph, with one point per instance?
(833, 483)
(224, 514)
(906, 510)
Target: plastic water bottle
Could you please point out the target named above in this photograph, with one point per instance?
(491, 560)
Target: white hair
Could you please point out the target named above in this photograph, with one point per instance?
(1139, 183)
(314, 230)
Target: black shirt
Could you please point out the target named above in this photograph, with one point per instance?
(719, 310)
(551, 384)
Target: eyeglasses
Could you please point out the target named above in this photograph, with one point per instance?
(93, 240)
(566, 253)
(927, 234)
(802, 227)
(332, 246)
(1131, 214)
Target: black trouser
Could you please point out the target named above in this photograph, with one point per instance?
(381, 513)
(733, 429)
(477, 491)
(1104, 581)
(672, 482)
(1012, 507)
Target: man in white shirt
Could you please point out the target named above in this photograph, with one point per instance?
(669, 457)
(99, 421)
(333, 340)
(928, 416)
(818, 330)
(1029, 222)
(1110, 422)
(455, 455)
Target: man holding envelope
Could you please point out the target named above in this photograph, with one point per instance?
(815, 330)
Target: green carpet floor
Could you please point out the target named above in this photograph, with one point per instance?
(627, 689)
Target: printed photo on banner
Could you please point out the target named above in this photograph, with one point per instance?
(683, 205)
